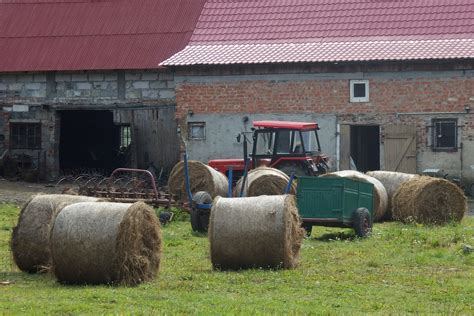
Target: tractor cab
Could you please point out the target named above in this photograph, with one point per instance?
(292, 147)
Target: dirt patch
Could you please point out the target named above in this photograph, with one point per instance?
(19, 192)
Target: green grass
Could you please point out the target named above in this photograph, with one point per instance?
(400, 269)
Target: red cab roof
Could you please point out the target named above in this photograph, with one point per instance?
(284, 124)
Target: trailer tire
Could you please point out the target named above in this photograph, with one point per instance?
(307, 228)
(200, 217)
(362, 222)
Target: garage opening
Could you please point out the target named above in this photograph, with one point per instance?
(89, 142)
(365, 147)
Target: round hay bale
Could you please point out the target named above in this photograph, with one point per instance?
(264, 181)
(106, 243)
(30, 238)
(391, 181)
(380, 194)
(262, 231)
(429, 200)
(201, 178)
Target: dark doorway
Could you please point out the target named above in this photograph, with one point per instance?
(89, 140)
(365, 147)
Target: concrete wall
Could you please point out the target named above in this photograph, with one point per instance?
(408, 94)
(39, 95)
(222, 129)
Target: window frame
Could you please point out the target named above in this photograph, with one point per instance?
(354, 99)
(434, 137)
(197, 124)
(16, 143)
(125, 136)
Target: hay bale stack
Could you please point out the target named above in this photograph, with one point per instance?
(264, 181)
(429, 200)
(391, 181)
(201, 178)
(380, 194)
(106, 243)
(251, 232)
(30, 238)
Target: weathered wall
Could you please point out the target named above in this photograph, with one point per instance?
(45, 93)
(405, 94)
(222, 129)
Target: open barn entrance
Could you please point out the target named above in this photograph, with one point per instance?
(89, 142)
(365, 147)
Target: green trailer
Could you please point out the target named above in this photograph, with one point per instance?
(336, 202)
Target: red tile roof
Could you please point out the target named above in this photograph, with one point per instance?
(42, 35)
(261, 31)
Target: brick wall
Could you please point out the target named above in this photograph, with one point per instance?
(326, 96)
(394, 96)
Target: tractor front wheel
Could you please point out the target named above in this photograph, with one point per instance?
(362, 222)
(200, 217)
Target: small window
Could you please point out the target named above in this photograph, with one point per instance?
(359, 90)
(197, 130)
(125, 136)
(25, 135)
(445, 134)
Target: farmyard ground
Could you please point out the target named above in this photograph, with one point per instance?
(400, 269)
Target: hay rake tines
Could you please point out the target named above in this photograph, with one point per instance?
(130, 185)
(90, 187)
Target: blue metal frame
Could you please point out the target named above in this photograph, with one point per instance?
(288, 186)
(229, 192)
(231, 175)
(186, 177)
(246, 168)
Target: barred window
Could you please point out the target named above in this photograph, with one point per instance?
(445, 134)
(25, 135)
(125, 135)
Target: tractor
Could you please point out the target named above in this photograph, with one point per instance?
(292, 147)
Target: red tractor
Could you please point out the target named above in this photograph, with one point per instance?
(292, 147)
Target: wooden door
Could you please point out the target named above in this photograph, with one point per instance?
(344, 147)
(400, 148)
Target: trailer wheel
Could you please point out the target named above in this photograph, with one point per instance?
(200, 217)
(362, 222)
(307, 228)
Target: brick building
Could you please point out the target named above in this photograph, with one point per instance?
(81, 88)
(391, 83)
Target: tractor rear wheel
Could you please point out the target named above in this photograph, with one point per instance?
(297, 168)
(200, 217)
(362, 222)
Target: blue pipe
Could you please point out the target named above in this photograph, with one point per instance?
(288, 186)
(229, 192)
(244, 177)
(186, 178)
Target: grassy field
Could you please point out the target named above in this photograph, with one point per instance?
(400, 269)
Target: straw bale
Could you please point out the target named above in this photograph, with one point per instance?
(30, 238)
(429, 200)
(250, 232)
(380, 194)
(264, 181)
(391, 181)
(116, 243)
(201, 178)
